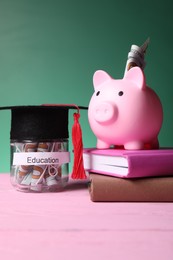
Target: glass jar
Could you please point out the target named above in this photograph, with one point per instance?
(39, 166)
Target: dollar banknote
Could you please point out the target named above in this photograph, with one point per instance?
(136, 56)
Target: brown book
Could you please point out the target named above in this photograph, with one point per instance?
(153, 189)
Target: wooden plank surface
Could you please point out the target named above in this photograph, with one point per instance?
(67, 225)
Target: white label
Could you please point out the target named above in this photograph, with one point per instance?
(36, 158)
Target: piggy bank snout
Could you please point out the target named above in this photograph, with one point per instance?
(105, 113)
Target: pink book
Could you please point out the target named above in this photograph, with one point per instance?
(129, 163)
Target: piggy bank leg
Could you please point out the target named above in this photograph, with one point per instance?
(152, 145)
(134, 145)
(155, 144)
(102, 145)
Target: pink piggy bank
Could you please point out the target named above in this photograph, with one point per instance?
(125, 112)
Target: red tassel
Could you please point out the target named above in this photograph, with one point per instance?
(78, 171)
(78, 167)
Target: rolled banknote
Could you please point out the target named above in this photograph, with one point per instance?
(39, 170)
(54, 172)
(136, 56)
(26, 169)
(48, 175)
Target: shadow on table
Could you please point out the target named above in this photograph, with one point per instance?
(76, 185)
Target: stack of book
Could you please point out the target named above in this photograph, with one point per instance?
(130, 175)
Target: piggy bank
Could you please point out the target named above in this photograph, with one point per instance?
(125, 112)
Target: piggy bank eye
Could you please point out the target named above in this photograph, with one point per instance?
(98, 92)
(120, 93)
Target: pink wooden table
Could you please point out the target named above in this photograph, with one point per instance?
(68, 225)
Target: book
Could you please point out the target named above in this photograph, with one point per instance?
(129, 163)
(104, 188)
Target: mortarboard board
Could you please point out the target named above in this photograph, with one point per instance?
(48, 122)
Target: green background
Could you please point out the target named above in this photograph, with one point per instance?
(50, 49)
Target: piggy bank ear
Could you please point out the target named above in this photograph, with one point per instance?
(100, 77)
(136, 75)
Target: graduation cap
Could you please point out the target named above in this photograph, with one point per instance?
(48, 122)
